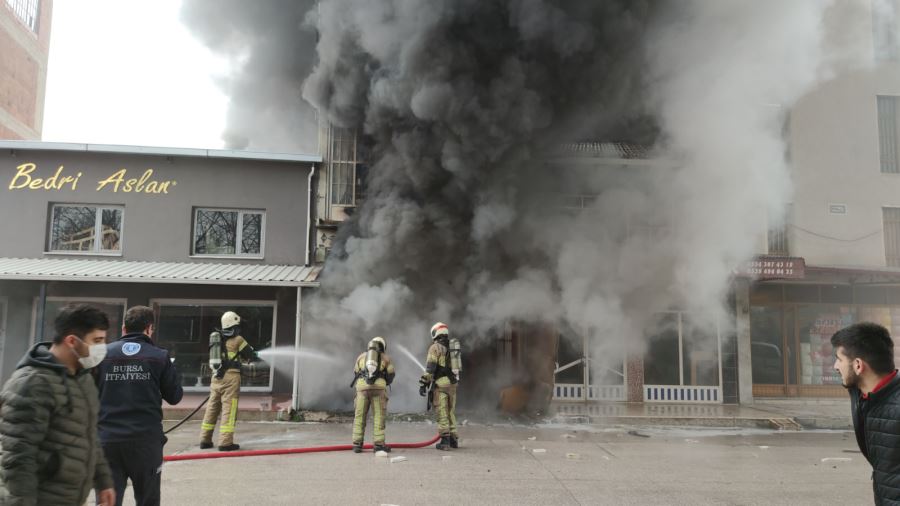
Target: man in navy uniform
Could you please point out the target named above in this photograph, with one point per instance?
(133, 380)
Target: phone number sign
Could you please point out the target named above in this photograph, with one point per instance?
(774, 268)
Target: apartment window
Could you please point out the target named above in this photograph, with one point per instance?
(891, 236)
(888, 134)
(27, 12)
(228, 232)
(343, 166)
(88, 229)
(778, 234)
(886, 42)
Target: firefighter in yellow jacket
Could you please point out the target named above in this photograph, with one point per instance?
(442, 367)
(226, 351)
(372, 373)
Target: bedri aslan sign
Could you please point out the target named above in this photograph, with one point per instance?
(24, 179)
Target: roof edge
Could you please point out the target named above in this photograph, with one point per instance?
(159, 150)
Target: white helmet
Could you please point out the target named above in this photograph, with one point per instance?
(439, 329)
(379, 341)
(230, 319)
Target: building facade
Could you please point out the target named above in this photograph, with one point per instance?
(24, 53)
(191, 233)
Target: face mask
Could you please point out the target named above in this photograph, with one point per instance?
(96, 355)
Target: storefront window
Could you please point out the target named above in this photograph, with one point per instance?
(889, 317)
(114, 309)
(816, 324)
(661, 359)
(682, 351)
(184, 328)
(766, 346)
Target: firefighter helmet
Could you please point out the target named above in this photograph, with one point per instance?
(378, 342)
(439, 329)
(230, 319)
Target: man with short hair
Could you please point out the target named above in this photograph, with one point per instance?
(48, 420)
(133, 381)
(864, 356)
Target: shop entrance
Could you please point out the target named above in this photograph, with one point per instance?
(682, 362)
(585, 372)
(791, 351)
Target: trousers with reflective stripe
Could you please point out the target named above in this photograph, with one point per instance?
(377, 398)
(445, 402)
(223, 400)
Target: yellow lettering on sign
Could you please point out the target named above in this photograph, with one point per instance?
(23, 171)
(116, 178)
(23, 179)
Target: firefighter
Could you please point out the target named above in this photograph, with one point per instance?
(373, 372)
(226, 351)
(442, 368)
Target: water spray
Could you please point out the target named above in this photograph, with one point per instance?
(411, 356)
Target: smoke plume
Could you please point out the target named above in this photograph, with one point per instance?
(465, 104)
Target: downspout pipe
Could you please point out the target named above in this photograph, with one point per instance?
(309, 216)
(298, 322)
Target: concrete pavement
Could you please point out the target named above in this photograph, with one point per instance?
(498, 464)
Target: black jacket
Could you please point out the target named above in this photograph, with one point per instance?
(133, 380)
(48, 430)
(876, 422)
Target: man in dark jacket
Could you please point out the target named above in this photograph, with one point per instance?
(864, 356)
(133, 381)
(48, 419)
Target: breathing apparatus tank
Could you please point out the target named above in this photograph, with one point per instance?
(455, 357)
(215, 352)
(373, 358)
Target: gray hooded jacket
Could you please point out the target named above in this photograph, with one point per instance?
(48, 434)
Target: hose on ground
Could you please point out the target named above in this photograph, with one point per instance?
(194, 412)
(285, 451)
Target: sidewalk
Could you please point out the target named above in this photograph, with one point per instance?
(786, 414)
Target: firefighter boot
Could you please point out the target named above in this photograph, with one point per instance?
(357, 447)
(205, 445)
(443, 444)
(454, 442)
(382, 448)
(230, 448)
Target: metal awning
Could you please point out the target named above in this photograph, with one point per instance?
(191, 273)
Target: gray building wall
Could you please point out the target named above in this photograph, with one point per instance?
(156, 226)
(22, 297)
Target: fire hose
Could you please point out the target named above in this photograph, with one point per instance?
(285, 451)
(276, 451)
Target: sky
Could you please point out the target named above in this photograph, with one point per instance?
(128, 72)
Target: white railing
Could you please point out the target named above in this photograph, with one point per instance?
(675, 393)
(576, 392)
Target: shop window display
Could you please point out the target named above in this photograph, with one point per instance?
(184, 330)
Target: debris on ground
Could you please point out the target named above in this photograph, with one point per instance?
(539, 450)
(381, 453)
(691, 441)
(532, 438)
(763, 447)
(636, 433)
(837, 459)
(401, 458)
(573, 456)
(568, 436)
